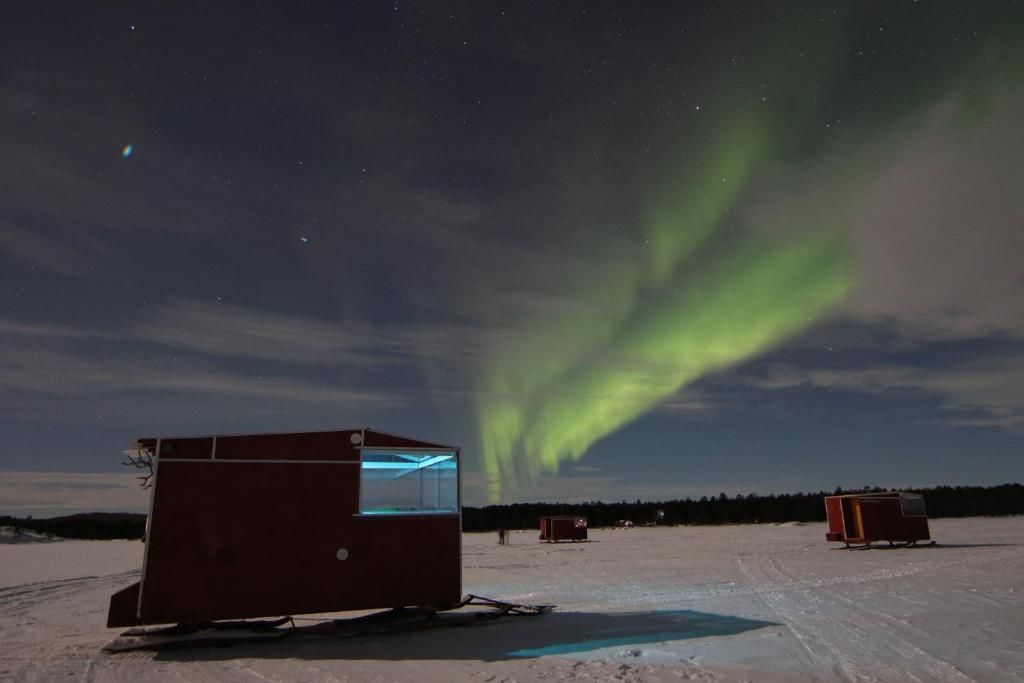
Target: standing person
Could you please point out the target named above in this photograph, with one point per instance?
(501, 537)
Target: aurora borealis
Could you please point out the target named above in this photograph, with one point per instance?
(736, 308)
(708, 290)
(698, 299)
(611, 252)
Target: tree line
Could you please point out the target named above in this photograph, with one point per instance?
(93, 526)
(941, 501)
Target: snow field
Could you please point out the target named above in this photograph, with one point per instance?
(755, 602)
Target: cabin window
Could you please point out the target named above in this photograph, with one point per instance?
(913, 506)
(400, 482)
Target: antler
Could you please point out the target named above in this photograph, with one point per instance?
(141, 458)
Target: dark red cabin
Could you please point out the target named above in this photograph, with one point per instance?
(261, 525)
(563, 528)
(864, 518)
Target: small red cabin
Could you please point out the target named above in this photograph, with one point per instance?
(863, 518)
(563, 528)
(259, 525)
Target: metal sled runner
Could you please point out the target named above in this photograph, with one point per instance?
(471, 610)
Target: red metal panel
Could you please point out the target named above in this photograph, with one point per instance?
(231, 541)
(881, 518)
(850, 528)
(304, 446)
(123, 606)
(563, 528)
(916, 529)
(834, 511)
(200, 448)
(374, 439)
(235, 540)
(884, 521)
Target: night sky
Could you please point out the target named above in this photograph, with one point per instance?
(611, 252)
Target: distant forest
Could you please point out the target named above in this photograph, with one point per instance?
(942, 501)
(94, 526)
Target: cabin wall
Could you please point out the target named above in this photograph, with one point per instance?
(851, 518)
(873, 517)
(884, 521)
(268, 525)
(834, 513)
(565, 529)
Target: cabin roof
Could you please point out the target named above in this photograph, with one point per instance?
(370, 437)
(879, 494)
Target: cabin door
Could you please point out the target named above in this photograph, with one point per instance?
(850, 527)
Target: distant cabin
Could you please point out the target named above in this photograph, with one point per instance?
(866, 518)
(563, 528)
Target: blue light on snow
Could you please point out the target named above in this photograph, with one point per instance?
(644, 628)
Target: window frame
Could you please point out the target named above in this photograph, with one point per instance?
(384, 450)
(914, 499)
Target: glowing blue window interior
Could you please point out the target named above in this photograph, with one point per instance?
(402, 482)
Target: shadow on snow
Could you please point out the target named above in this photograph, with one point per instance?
(557, 633)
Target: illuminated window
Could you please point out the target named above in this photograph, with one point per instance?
(396, 482)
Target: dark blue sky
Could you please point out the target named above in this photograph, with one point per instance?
(610, 252)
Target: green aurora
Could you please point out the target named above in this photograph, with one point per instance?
(709, 288)
(702, 298)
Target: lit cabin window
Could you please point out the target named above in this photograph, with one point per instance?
(396, 482)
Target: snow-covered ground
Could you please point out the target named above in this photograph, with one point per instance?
(762, 603)
(10, 534)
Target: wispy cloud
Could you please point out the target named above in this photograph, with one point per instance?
(18, 328)
(932, 210)
(66, 373)
(66, 362)
(56, 493)
(234, 331)
(74, 206)
(226, 330)
(938, 238)
(48, 253)
(984, 392)
(690, 402)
